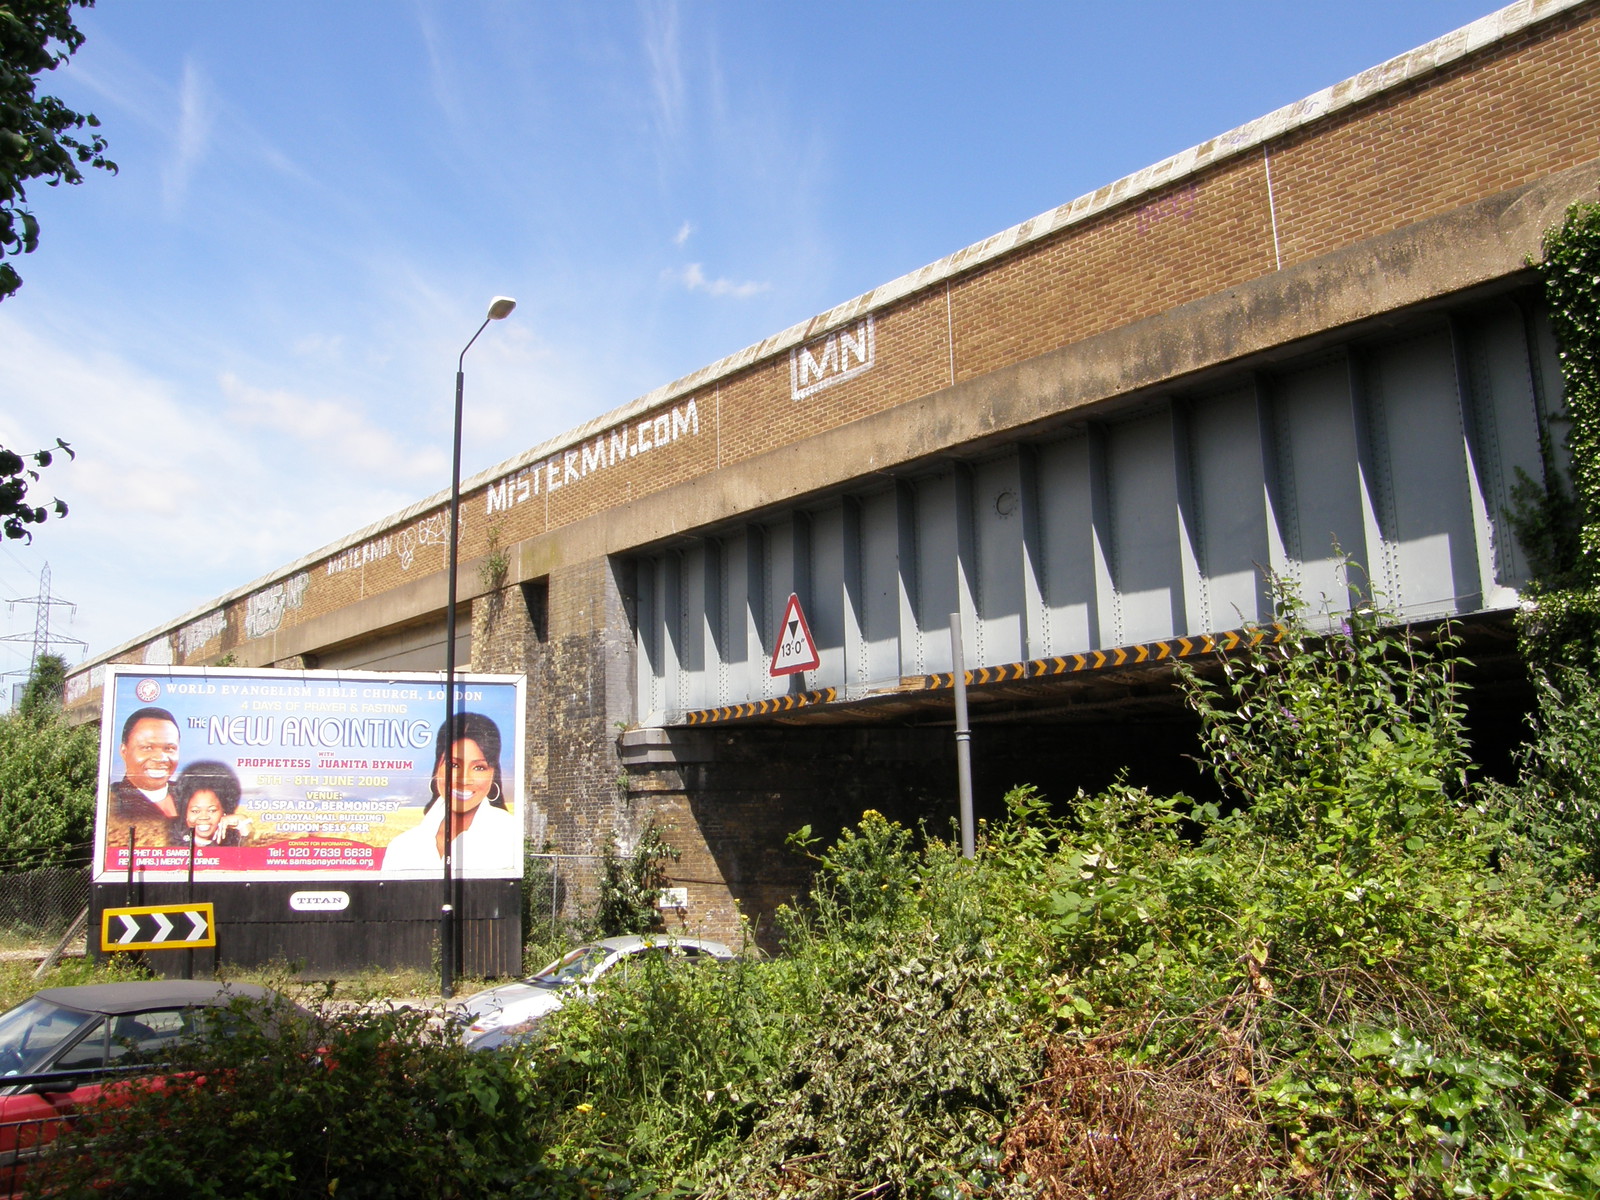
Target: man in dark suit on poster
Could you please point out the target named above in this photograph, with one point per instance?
(149, 750)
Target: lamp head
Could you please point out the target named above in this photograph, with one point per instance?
(500, 308)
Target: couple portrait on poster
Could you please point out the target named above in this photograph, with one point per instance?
(199, 805)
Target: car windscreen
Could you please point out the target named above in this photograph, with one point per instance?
(31, 1032)
(572, 967)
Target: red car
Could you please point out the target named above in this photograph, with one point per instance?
(60, 1047)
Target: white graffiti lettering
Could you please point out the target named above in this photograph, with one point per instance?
(263, 612)
(197, 633)
(607, 450)
(432, 530)
(360, 556)
(839, 356)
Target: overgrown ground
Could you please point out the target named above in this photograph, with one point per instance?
(1368, 977)
(1363, 979)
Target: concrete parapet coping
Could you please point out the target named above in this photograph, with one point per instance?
(1400, 70)
(1396, 72)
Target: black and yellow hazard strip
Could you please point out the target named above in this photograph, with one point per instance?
(1145, 654)
(761, 708)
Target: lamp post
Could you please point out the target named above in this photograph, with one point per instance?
(499, 308)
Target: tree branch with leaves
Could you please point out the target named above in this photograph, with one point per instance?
(16, 476)
(39, 135)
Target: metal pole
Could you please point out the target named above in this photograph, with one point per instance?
(958, 671)
(188, 966)
(447, 948)
(446, 907)
(130, 863)
(499, 308)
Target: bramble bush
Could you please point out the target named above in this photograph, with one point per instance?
(1331, 982)
(372, 1104)
(1395, 1015)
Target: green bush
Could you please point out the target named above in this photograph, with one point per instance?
(47, 787)
(1570, 273)
(882, 1047)
(380, 1104)
(1400, 1017)
(910, 1068)
(631, 883)
(1551, 813)
(1333, 982)
(658, 1076)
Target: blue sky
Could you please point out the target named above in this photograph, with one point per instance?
(250, 333)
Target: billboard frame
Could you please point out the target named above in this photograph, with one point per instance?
(298, 744)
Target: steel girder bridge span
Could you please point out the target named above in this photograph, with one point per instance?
(1098, 551)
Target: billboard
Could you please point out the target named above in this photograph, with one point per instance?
(254, 775)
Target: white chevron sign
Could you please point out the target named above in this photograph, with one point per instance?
(158, 927)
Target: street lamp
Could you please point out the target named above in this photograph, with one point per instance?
(499, 309)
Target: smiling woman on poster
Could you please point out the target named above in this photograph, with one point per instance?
(208, 795)
(488, 837)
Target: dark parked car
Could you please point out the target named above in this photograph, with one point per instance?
(60, 1047)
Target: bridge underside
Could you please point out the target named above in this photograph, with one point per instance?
(1130, 683)
(742, 783)
(1088, 554)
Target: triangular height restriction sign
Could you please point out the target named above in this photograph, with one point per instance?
(796, 649)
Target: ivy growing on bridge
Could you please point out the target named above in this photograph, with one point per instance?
(1560, 528)
(1554, 811)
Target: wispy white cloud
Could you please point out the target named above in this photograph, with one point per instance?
(176, 497)
(191, 140)
(190, 116)
(324, 426)
(664, 53)
(693, 278)
(319, 345)
(683, 233)
(434, 43)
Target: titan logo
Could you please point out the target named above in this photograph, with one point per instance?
(843, 354)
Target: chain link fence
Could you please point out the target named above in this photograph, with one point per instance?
(38, 907)
(559, 893)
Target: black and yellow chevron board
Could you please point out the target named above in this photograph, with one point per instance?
(189, 926)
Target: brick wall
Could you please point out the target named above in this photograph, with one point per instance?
(580, 690)
(728, 810)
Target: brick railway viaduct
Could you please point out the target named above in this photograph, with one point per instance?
(1084, 434)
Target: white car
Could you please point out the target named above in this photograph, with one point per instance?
(500, 1014)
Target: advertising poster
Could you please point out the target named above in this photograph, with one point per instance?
(290, 775)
